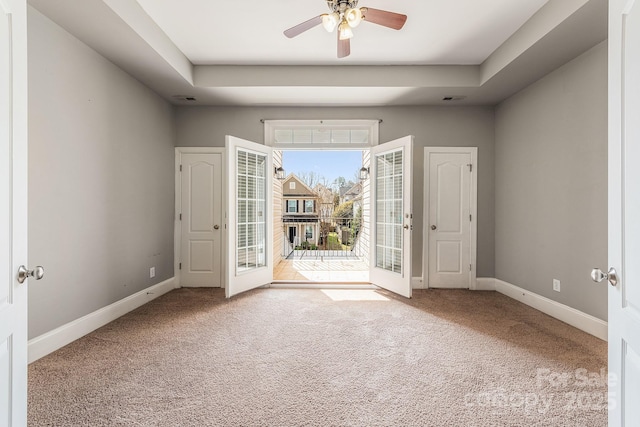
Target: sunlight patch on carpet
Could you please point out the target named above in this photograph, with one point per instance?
(354, 295)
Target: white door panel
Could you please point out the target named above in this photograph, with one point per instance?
(249, 218)
(391, 215)
(449, 217)
(624, 211)
(202, 225)
(13, 212)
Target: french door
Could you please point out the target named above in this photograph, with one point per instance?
(390, 173)
(249, 218)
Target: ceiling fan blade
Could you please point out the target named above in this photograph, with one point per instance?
(301, 28)
(344, 47)
(383, 17)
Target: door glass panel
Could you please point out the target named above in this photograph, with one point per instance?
(250, 215)
(389, 211)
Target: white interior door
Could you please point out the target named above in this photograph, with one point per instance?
(391, 215)
(249, 215)
(449, 216)
(201, 220)
(624, 211)
(13, 212)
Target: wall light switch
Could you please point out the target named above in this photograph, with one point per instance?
(152, 272)
(556, 285)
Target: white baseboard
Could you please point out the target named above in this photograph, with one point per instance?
(53, 340)
(485, 284)
(585, 322)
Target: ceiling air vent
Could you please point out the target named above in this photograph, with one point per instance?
(184, 98)
(454, 98)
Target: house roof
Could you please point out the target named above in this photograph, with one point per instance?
(301, 190)
(354, 191)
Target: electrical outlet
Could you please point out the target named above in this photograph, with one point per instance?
(152, 272)
(556, 285)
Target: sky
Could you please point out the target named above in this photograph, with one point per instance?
(330, 164)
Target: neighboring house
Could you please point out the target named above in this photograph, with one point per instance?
(299, 211)
(354, 194)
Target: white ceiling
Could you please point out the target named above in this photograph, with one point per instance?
(250, 31)
(234, 52)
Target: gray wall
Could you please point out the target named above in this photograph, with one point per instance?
(100, 180)
(432, 126)
(551, 184)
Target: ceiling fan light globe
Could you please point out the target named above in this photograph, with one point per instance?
(330, 21)
(345, 31)
(353, 17)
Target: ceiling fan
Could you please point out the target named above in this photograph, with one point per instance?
(346, 15)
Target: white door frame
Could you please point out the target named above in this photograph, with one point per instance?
(177, 233)
(473, 241)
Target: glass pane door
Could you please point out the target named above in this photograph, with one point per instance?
(251, 210)
(249, 221)
(389, 211)
(391, 176)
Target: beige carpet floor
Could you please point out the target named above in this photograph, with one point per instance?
(302, 357)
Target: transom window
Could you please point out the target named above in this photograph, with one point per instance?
(294, 134)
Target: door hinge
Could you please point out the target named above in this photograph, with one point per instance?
(180, 266)
(469, 267)
(470, 218)
(180, 168)
(180, 217)
(470, 167)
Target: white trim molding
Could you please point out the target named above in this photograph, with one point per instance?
(53, 340)
(417, 283)
(473, 210)
(576, 318)
(485, 284)
(177, 230)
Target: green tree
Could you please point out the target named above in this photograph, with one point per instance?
(343, 214)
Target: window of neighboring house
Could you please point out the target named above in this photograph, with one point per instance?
(308, 206)
(308, 232)
(292, 185)
(292, 206)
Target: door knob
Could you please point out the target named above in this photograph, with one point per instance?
(406, 226)
(215, 227)
(598, 275)
(24, 274)
(433, 227)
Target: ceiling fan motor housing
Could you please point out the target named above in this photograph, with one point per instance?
(340, 6)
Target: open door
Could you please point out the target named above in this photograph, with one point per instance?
(13, 213)
(249, 219)
(624, 213)
(391, 215)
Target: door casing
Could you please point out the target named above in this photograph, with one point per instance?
(178, 203)
(473, 206)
